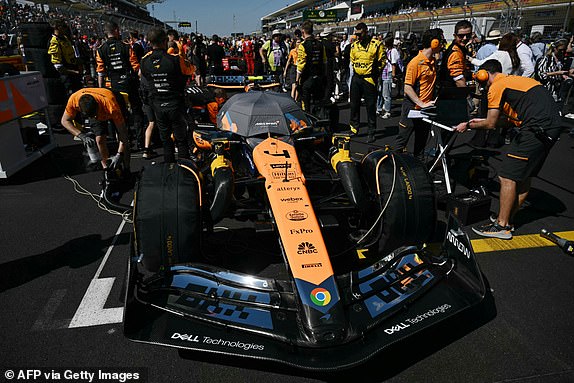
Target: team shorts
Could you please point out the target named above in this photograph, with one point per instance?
(148, 111)
(100, 128)
(524, 157)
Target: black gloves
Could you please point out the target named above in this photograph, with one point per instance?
(88, 139)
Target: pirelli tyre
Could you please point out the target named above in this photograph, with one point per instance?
(403, 191)
(167, 215)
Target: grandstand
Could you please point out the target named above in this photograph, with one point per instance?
(84, 16)
(384, 16)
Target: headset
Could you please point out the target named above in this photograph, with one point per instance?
(435, 36)
(481, 75)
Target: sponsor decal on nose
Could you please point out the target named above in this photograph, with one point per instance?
(320, 296)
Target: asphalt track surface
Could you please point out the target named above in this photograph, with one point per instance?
(63, 260)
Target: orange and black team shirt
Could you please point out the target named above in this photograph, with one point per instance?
(108, 107)
(421, 75)
(524, 101)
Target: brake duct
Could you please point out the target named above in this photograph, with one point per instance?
(346, 169)
(222, 172)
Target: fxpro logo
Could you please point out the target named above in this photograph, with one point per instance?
(451, 237)
(301, 231)
(185, 337)
(306, 248)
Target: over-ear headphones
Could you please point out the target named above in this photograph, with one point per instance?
(481, 75)
(435, 43)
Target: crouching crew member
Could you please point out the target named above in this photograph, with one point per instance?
(531, 107)
(103, 106)
(368, 59)
(166, 76)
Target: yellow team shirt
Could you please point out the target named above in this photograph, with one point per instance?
(61, 52)
(364, 58)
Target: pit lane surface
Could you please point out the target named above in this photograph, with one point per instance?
(62, 264)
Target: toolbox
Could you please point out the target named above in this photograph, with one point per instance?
(469, 207)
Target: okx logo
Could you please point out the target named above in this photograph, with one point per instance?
(306, 248)
(320, 296)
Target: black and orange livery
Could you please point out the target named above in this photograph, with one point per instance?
(341, 273)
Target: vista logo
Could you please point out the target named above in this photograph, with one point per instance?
(188, 338)
(306, 248)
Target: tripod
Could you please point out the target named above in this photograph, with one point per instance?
(442, 149)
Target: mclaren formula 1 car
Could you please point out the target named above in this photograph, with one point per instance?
(332, 267)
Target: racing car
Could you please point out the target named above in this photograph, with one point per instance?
(277, 244)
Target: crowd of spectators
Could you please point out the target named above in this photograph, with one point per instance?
(13, 14)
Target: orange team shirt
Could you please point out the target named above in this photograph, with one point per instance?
(293, 56)
(456, 63)
(108, 107)
(187, 68)
(421, 75)
(213, 109)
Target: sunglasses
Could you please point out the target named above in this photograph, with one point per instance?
(463, 35)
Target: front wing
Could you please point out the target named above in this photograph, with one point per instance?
(205, 308)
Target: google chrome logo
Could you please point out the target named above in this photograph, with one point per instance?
(320, 296)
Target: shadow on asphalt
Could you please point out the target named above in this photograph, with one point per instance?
(75, 253)
(63, 160)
